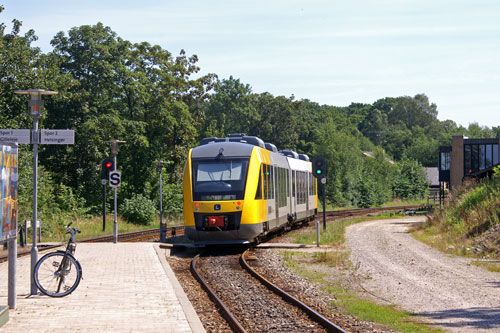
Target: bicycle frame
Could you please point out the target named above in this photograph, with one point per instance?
(70, 250)
(61, 268)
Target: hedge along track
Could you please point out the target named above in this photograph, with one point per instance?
(231, 318)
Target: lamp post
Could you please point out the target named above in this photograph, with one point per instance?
(114, 148)
(163, 227)
(36, 104)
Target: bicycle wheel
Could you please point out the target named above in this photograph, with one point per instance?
(57, 276)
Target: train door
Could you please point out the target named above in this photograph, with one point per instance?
(277, 194)
(294, 192)
(307, 182)
(288, 192)
(269, 193)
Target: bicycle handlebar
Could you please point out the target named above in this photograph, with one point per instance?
(72, 230)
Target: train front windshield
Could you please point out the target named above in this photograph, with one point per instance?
(215, 180)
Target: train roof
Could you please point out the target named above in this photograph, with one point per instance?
(235, 140)
(222, 149)
(299, 165)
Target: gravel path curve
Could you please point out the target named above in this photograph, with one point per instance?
(445, 290)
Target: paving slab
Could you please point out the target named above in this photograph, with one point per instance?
(126, 287)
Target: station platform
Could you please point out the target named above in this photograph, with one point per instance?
(126, 287)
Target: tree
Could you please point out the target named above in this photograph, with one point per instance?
(138, 93)
(231, 110)
(411, 181)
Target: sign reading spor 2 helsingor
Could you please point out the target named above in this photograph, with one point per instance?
(57, 137)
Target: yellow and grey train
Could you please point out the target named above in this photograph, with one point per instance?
(238, 189)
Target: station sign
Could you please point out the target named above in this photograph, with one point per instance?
(57, 137)
(15, 135)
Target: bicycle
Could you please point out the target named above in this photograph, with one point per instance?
(57, 274)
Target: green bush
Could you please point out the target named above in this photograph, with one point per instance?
(172, 200)
(138, 210)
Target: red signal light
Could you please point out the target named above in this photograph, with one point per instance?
(107, 166)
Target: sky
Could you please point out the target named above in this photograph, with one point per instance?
(334, 52)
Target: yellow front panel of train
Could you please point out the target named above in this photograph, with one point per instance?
(188, 193)
(255, 210)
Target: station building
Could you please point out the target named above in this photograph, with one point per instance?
(474, 158)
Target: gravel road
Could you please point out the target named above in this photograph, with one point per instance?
(445, 290)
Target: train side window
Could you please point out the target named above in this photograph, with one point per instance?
(279, 187)
(299, 188)
(308, 184)
(304, 187)
(265, 182)
(258, 195)
(284, 186)
(287, 183)
(272, 183)
(293, 183)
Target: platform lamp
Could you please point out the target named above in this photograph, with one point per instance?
(35, 104)
(163, 226)
(114, 148)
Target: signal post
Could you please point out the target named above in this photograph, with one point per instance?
(107, 166)
(319, 171)
(115, 182)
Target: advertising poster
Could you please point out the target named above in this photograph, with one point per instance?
(8, 192)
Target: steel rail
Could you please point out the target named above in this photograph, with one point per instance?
(133, 236)
(226, 313)
(363, 211)
(41, 248)
(331, 327)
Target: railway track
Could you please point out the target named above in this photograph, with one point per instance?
(364, 211)
(134, 236)
(254, 303)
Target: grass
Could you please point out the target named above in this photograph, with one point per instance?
(491, 266)
(399, 202)
(467, 223)
(334, 234)
(303, 264)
